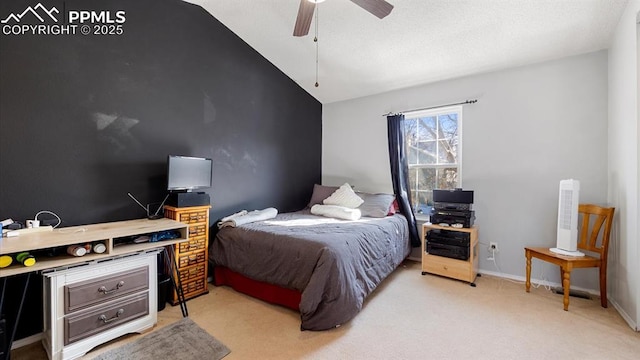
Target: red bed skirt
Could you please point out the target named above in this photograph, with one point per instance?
(267, 292)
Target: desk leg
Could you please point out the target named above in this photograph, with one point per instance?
(5, 354)
(170, 260)
(527, 283)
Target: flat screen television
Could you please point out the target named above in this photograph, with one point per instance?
(186, 173)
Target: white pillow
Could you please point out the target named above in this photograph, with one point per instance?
(334, 211)
(344, 196)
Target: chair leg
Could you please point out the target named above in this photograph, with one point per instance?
(566, 285)
(603, 287)
(527, 283)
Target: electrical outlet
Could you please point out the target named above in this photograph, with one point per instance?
(493, 246)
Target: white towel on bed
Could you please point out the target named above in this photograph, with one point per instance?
(244, 217)
(233, 216)
(337, 212)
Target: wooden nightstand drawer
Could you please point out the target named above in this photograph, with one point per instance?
(194, 272)
(191, 259)
(87, 293)
(194, 287)
(193, 217)
(85, 324)
(457, 269)
(197, 230)
(197, 243)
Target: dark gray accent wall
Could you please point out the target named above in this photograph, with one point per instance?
(86, 119)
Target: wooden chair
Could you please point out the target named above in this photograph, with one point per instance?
(593, 238)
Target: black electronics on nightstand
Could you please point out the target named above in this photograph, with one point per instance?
(453, 208)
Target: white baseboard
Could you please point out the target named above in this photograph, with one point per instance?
(26, 341)
(624, 315)
(522, 279)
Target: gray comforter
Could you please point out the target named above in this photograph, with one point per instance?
(334, 263)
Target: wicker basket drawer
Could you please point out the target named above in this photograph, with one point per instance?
(191, 259)
(198, 243)
(86, 293)
(194, 287)
(192, 273)
(193, 217)
(197, 230)
(88, 323)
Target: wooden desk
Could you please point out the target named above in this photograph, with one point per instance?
(113, 235)
(108, 233)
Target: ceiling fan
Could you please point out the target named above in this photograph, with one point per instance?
(379, 8)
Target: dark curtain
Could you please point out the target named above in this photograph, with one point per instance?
(400, 173)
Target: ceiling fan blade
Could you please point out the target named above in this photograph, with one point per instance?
(379, 8)
(303, 21)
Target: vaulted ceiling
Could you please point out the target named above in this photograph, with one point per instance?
(421, 41)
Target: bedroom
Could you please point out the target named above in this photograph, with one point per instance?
(104, 113)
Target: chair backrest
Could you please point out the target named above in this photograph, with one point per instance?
(593, 219)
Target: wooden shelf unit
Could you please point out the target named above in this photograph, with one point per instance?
(107, 233)
(465, 270)
(192, 257)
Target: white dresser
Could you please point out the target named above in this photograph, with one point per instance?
(90, 304)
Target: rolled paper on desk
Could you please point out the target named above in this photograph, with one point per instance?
(99, 248)
(5, 260)
(26, 259)
(76, 250)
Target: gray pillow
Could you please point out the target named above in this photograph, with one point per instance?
(375, 205)
(320, 192)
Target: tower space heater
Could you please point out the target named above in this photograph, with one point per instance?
(567, 242)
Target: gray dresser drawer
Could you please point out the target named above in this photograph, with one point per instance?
(88, 323)
(87, 293)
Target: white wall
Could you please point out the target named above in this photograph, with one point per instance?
(532, 127)
(624, 162)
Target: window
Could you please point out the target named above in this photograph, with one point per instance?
(433, 148)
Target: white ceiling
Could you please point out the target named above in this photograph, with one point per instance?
(421, 41)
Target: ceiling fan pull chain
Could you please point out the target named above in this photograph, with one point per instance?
(315, 39)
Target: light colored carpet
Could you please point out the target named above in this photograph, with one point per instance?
(411, 316)
(180, 340)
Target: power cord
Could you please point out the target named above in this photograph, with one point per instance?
(495, 263)
(543, 279)
(492, 258)
(48, 212)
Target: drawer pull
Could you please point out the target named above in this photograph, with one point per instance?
(104, 290)
(106, 321)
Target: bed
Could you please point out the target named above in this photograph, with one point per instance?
(321, 266)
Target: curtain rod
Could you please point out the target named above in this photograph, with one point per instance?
(435, 107)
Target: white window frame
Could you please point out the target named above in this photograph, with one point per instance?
(458, 165)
